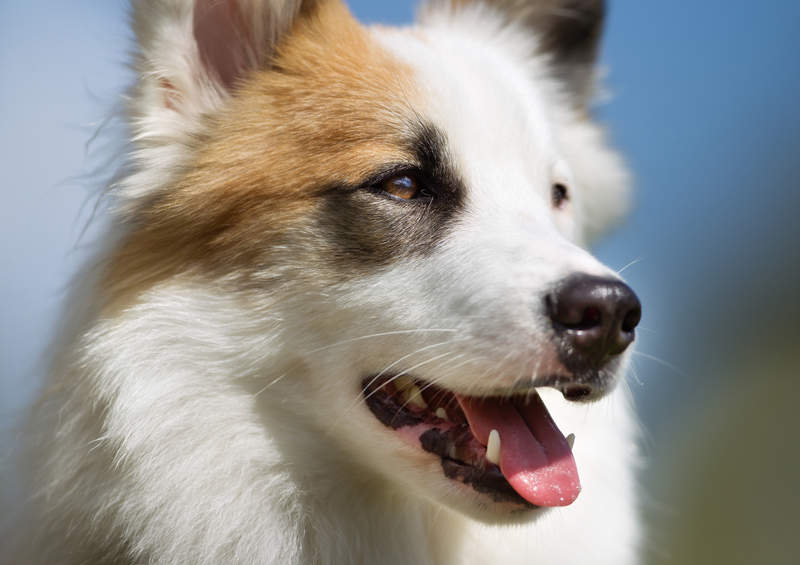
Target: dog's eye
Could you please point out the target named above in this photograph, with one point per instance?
(405, 187)
(559, 194)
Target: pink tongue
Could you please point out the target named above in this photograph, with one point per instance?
(535, 458)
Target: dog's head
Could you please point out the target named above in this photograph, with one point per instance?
(409, 205)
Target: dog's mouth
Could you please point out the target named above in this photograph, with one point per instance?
(507, 448)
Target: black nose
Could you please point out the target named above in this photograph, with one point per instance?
(595, 317)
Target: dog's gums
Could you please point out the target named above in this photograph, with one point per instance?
(534, 467)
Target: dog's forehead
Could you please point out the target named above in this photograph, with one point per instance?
(481, 92)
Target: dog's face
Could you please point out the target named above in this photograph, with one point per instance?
(411, 204)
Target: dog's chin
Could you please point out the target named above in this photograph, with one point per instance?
(444, 438)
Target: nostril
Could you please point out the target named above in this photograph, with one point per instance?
(631, 320)
(569, 313)
(592, 317)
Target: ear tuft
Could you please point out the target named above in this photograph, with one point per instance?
(191, 55)
(186, 44)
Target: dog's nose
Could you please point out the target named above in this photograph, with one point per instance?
(595, 316)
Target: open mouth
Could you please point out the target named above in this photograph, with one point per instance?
(506, 447)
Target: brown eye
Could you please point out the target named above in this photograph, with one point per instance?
(401, 186)
(559, 195)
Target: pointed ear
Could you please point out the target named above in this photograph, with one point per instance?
(235, 36)
(568, 31)
(186, 46)
(191, 55)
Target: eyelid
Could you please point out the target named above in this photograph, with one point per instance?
(393, 170)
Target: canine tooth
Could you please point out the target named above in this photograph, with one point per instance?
(493, 447)
(441, 413)
(571, 440)
(414, 396)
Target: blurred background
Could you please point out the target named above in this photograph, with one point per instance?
(705, 107)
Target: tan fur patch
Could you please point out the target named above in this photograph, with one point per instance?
(331, 108)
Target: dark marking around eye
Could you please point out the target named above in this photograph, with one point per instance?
(402, 211)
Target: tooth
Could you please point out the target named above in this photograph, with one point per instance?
(441, 413)
(493, 447)
(403, 382)
(571, 440)
(414, 396)
(451, 451)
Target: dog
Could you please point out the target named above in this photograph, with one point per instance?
(344, 312)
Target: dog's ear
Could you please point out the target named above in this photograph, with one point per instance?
(190, 56)
(567, 31)
(235, 36)
(193, 51)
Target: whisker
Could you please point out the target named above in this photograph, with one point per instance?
(419, 365)
(450, 370)
(381, 334)
(268, 385)
(404, 357)
(494, 368)
(394, 377)
(631, 264)
(666, 364)
(405, 372)
(435, 380)
(451, 397)
(635, 373)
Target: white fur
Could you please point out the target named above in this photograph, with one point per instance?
(207, 426)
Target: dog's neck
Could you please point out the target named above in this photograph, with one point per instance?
(370, 524)
(347, 514)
